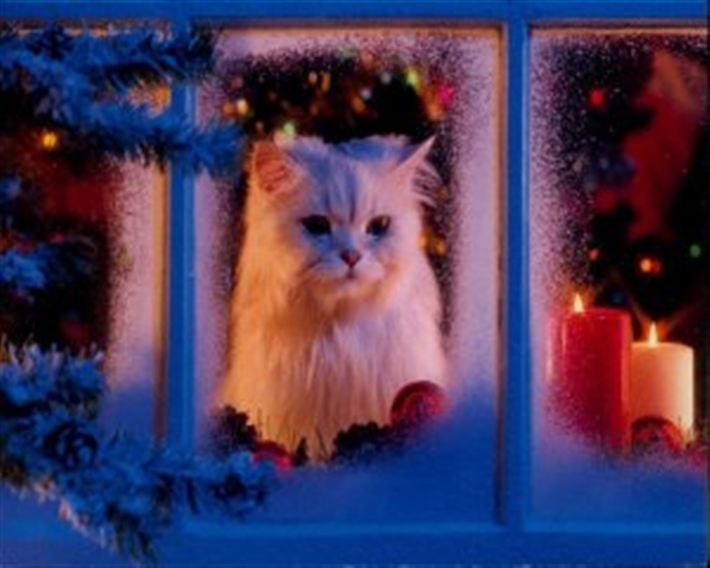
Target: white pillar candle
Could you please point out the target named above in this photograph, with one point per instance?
(661, 382)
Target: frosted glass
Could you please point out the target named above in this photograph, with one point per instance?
(618, 146)
(134, 354)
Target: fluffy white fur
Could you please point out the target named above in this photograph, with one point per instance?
(318, 345)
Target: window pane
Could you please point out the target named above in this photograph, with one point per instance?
(339, 85)
(620, 215)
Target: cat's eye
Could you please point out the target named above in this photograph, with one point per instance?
(378, 226)
(316, 225)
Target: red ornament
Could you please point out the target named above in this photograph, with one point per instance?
(273, 452)
(417, 404)
(653, 434)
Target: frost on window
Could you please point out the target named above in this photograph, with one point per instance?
(619, 274)
(382, 116)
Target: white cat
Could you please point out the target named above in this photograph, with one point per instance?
(336, 306)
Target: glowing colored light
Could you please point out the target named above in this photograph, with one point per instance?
(594, 254)
(386, 77)
(49, 140)
(358, 105)
(242, 106)
(446, 95)
(228, 109)
(412, 79)
(325, 82)
(312, 78)
(695, 250)
(597, 98)
(438, 246)
(653, 335)
(651, 266)
(434, 110)
(366, 94)
(289, 128)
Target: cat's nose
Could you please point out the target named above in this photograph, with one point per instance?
(350, 257)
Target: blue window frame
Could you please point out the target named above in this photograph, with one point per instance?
(515, 535)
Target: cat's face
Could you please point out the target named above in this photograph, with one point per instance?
(342, 222)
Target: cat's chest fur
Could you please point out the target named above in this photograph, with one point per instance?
(305, 376)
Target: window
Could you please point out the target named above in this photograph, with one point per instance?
(514, 147)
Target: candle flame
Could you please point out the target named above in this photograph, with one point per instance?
(653, 335)
(578, 305)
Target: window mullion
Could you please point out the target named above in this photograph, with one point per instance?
(515, 394)
(178, 419)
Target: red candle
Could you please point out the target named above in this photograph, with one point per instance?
(593, 351)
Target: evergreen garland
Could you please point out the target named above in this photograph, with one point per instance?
(119, 492)
(84, 85)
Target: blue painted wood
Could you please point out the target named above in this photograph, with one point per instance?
(379, 544)
(496, 10)
(515, 407)
(180, 356)
(621, 12)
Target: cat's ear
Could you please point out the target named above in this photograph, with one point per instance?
(415, 156)
(274, 170)
(416, 172)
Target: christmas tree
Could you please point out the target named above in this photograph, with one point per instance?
(75, 105)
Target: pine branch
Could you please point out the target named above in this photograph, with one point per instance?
(122, 59)
(22, 272)
(129, 131)
(117, 491)
(141, 58)
(83, 84)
